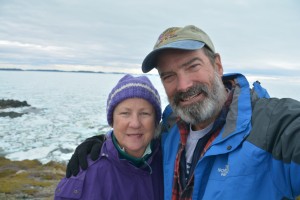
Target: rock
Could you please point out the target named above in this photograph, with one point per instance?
(10, 103)
(11, 114)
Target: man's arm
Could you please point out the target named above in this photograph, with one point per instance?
(277, 124)
(90, 146)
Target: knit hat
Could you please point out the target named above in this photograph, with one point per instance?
(186, 38)
(133, 87)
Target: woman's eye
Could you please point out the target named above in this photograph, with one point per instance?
(145, 113)
(124, 113)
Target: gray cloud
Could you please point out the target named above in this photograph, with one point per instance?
(251, 36)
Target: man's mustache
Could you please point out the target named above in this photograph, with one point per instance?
(194, 90)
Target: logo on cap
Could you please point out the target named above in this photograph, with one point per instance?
(169, 33)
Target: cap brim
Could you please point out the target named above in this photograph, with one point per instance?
(150, 60)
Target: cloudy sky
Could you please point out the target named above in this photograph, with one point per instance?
(260, 37)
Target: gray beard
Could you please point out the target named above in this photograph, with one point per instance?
(205, 110)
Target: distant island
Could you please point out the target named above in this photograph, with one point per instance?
(65, 71)
(53, 70)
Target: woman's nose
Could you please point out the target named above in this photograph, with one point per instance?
(135, 121)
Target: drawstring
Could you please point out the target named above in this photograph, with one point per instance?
(146, 163)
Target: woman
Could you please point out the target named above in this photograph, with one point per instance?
(130, 162)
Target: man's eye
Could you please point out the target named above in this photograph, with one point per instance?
(146, 113)
(194, 67)
(124, 113)
(168, 78)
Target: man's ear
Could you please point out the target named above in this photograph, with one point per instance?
(218, 64)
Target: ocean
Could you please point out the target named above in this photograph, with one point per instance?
(68, 107)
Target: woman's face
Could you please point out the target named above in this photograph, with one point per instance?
(134, 125)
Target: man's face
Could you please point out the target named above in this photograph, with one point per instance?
(193, 84)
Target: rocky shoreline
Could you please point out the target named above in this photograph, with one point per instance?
(29, 179)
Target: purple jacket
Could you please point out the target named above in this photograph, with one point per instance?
(110, 177)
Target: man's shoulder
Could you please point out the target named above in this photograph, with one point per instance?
(286, 104)
(169, 119)
(271, 115)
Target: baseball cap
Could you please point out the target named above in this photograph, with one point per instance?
(186, 38)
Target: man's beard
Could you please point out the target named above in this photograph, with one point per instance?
(204, 110)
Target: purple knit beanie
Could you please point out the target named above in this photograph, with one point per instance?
(133, 87)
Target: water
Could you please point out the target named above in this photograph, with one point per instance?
(66, 108)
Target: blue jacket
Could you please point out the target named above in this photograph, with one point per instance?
(113, 178)
(255, 156)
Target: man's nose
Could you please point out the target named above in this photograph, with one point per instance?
(184, 82)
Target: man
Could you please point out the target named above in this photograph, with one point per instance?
(220, 139)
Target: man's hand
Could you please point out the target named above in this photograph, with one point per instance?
(91, 146)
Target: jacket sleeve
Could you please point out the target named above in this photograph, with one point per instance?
(70, 188)
(278, 122)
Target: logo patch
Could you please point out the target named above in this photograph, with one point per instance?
(169, 33)
(224, 171)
